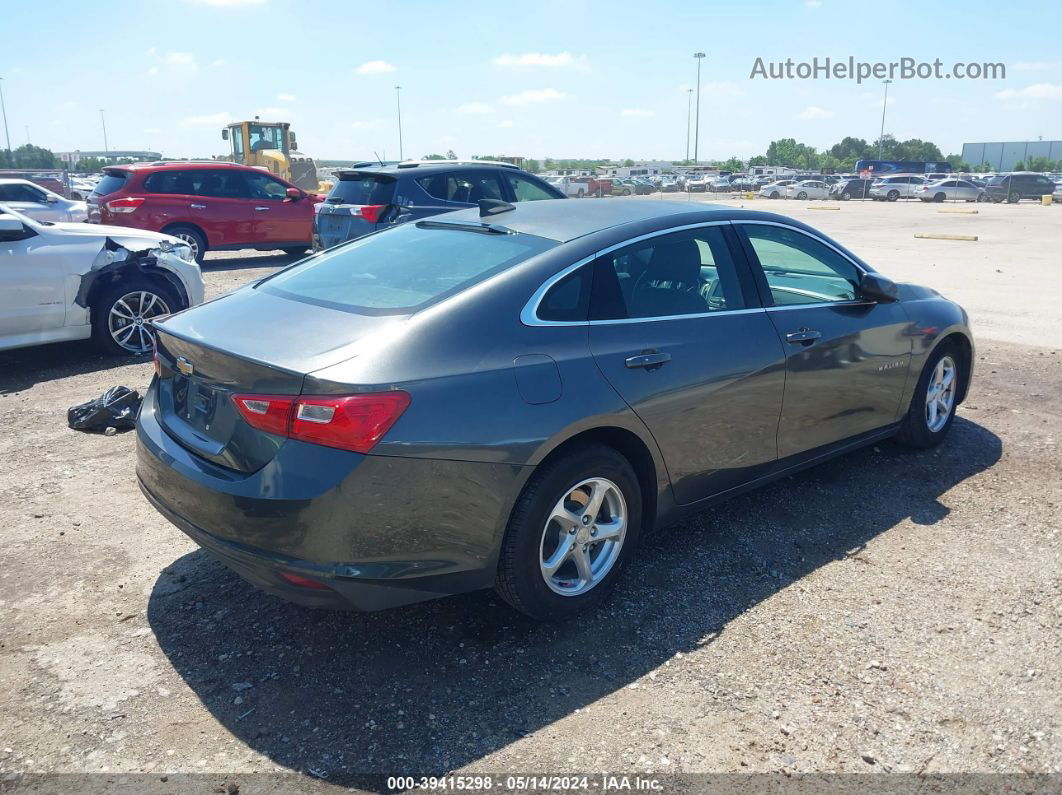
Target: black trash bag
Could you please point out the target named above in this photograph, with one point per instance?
(116, 408)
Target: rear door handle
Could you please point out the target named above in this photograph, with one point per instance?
(260, 209)
(650, 360)
(803, 335)
(197, 206)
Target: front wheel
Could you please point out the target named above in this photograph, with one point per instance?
(121, 315)
(940, 197)
(932, 408)
(892, 195)
(774, 194)
(571, 532)
(1013, 198)
(846, 196)
(802, 195)
(192, 237)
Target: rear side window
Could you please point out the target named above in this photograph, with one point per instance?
(402, 269)
(110, 183)
(174, 182)
(363, 189)
(462, 187)
(568, 300)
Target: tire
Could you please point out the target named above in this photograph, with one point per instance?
(1013, 198)
(531, 533)
(915, 429)
(124, 297)
(940, 197)
(802, 195)
(295, 251)
(580, 194)
(980, 198)
(193, 237)
(892, 195)
(846, 196)
(626, 191)
(774, 194)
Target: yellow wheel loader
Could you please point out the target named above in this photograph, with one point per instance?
(272, 146)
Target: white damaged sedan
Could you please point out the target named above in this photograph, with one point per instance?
(71, 281)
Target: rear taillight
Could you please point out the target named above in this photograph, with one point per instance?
(302, 582)
(124, 205)
(370, 212)
(347, 422)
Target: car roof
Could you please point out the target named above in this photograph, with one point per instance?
(183, 164)
(17, 181)
(567, 219)
(424, 167)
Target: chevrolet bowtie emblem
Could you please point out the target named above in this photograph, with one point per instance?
(185, 366)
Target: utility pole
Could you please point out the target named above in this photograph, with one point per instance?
(103, 123)
(3, 109)
(884, 104)
(689, 110)
(697, 122)
(398, 104)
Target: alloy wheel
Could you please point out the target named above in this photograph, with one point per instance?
(127, 320)
(191, 241)
(940, 394)
(583, 537)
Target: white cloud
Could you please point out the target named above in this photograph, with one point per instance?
(152, 130)
(286, 97)
(218, 62)
(812, 3)
(637, 113)
(375, 68)
(154, 70)
(506, 123)
(1036, 66)
(534, 60)
(367, 124)
(229, 3)
(184, 59)
(475, 108)
(211, 120)
(1035, 91)
(533, 95)
(812, 112)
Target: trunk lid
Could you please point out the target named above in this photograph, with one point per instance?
(261, 357)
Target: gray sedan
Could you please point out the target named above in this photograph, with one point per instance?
(516, 396)
(951, 190)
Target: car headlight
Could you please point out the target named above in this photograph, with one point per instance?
(181, 250)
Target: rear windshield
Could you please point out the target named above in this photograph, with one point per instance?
(363, 189)
(111, 182)
(403, 269)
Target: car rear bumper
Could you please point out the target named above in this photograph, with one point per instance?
(377, 531)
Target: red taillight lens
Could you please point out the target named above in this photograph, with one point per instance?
(371, 212)
(269, 413)
(347, 422)
(124, 205)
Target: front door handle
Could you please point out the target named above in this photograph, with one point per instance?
(197, 206)
(650, 360)
(803, 335)
(260, 209)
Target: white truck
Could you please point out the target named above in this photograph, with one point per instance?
(575, 187)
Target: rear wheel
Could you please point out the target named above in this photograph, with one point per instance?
(121, 312)
(892, 195)
(940, 197)
(1014, 197)
(193, 237)
(802, 195)
(932, 408)
(774, 194)
(846, 196)
(570, 534)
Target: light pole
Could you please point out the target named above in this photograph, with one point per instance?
(103, 124)
(697, 122)
(884, 104)
(689, 110)
(3, 109)
(398, 104)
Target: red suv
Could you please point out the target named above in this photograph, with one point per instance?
(211, 205)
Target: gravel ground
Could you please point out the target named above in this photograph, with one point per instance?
(888, 611)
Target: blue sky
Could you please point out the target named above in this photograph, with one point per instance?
(565, 78)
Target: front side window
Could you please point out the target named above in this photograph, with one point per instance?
(800, 269)
(21, 193)
(403, 269)
(527, 190)
(684, 273)
(462, 187)
(263, 187)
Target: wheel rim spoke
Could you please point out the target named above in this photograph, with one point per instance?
(582, 565)
(608, 530)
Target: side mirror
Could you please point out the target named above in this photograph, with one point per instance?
(875, 287)
(225, 134)
(294, 194)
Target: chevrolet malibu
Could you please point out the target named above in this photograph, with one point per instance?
(515, 396)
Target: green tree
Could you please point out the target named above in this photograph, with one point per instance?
(532, 165)
(958, 164)
(733, 164)
(1019, 166)
(628, 163)
(29, 156)
(450, 154)
(1044, 164)
(434, 157)
(848, 151)
(758, 160)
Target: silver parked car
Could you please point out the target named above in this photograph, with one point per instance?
(951, 190)
(904, 186)
(40, 203)
(808, 189)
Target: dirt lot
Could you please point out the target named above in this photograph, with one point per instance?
(889, 611)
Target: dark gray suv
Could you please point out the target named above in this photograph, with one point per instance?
(366, 198)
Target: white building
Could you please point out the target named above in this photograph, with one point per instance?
(111, 155)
